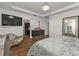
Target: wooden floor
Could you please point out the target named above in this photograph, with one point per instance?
(22, 48)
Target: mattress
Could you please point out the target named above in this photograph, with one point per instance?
(56, 46)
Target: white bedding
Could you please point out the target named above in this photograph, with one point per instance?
(2, 42)
(57, 46)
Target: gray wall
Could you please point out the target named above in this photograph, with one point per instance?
(55, 21)
(18, 30)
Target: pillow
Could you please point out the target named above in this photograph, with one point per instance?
(12, 36)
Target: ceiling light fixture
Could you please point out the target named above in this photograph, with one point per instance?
(45, 7)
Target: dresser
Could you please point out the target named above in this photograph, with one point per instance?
(37, 33)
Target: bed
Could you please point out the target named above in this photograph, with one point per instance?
(2, 43)
(56, 46)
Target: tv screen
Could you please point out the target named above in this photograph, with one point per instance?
(10, 20)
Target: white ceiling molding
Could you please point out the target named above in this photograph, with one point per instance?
(62, 9)
(24, 10)
(51, 13)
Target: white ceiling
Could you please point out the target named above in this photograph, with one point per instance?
(35, 7)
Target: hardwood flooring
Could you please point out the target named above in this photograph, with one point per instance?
(22, 48)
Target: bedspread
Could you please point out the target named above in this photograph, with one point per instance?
(57, 46)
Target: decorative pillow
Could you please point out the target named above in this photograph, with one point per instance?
(12, 36)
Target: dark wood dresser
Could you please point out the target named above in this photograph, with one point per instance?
(37, 33)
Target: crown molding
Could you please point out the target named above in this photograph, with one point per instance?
(62, 9)
(48, 14)
(27, 11)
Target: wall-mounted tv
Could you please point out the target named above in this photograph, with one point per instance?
(10, 20)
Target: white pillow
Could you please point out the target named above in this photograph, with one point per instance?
(12, 36)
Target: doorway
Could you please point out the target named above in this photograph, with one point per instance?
(27, 29)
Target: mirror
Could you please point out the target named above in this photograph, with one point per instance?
(70, 26)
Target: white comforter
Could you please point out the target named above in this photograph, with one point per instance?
(2, 43)
(57, 46)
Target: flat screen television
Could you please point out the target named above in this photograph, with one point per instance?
(10, 20)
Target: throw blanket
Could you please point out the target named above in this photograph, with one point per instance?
(57, 46)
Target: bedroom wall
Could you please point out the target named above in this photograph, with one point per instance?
(55, 21)
(18, 30)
